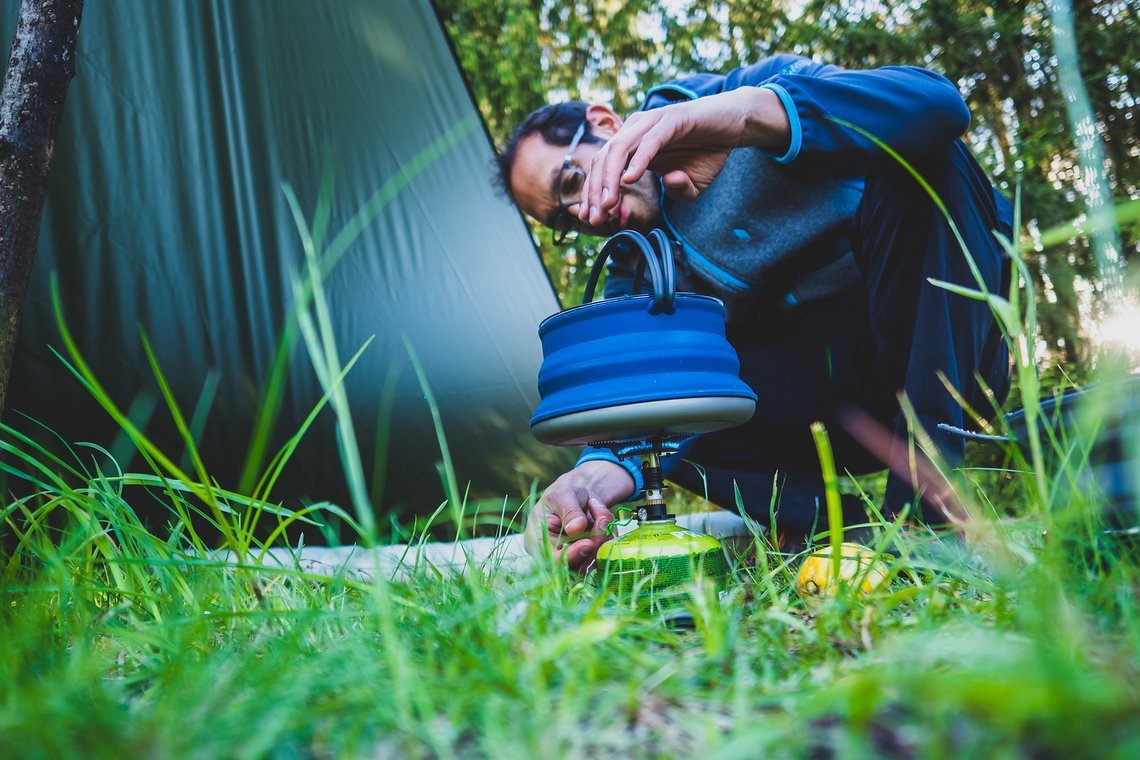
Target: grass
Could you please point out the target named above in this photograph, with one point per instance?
(120, 640)
(119, 643)
(1015, 635)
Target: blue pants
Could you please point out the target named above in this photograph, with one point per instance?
(895, 332)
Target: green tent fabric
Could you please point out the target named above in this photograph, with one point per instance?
(166, 212)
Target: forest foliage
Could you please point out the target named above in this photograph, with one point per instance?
(519, 54)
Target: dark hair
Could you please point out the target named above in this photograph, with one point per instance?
(556, 123)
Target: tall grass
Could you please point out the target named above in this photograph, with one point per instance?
(120, 640)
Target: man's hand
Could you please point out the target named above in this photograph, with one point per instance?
(574, 512)
(685, 143)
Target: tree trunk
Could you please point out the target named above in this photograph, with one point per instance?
(40, 68)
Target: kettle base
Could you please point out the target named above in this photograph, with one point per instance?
(644, 419)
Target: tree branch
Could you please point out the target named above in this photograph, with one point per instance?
(40, 68)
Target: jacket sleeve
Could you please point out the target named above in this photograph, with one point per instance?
(913, 110)
(632, 465)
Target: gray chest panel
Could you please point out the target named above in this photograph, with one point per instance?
(763, 230)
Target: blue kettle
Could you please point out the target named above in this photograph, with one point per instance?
(638, 366)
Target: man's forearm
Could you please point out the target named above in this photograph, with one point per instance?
(911, 109)
(766, 123)
(605, 480)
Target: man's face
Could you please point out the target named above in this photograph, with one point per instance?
(534, 182)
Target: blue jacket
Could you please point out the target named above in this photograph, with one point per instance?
(774, 231)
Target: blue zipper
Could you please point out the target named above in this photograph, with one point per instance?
(699, 259)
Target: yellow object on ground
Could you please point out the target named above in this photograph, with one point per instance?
(858, 564)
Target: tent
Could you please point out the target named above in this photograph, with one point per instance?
(167, 215)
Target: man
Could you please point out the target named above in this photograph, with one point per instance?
(820, 243)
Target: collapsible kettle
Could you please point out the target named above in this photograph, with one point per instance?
(638, 365)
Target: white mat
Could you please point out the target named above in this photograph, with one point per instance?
(398, 561)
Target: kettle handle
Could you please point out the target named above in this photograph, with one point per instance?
(656, 254)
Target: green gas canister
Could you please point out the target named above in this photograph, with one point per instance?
(654, 565)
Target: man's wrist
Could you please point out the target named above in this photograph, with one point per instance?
(767, 124)
(601, 477)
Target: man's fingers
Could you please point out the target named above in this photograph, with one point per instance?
(646, 150)
(602, 189)
(579, 554)
(564, 512)
(680, 185)
(587, 184)
(601, 515)
(582, 552)
(572, 521)
(608, 187)
(592, 210)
